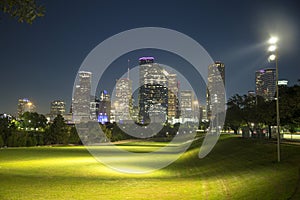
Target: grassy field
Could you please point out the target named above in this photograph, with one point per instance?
(235, 169)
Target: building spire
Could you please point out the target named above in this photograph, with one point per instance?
(128, 69)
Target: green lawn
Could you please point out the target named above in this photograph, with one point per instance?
(235, 169)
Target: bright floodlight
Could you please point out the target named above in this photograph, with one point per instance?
(272, 57)
(272, 48)
(273, 40)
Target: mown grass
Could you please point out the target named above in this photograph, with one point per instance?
(235, 169)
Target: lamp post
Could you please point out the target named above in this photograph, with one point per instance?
(273, 48)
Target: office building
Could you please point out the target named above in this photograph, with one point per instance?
(25, 105)
(283, 82)
(82, 97)
(215, 94)
(202, 113)
(265, 81)
(94, 108)
(153, 93)
(104, 107)
(173, 98)
(186, 106)
(57, 107)
(123, 100)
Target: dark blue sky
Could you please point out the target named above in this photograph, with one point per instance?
(40, 61)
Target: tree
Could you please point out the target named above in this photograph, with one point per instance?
(289, 98)
(233, 120)
(255, 112)
(1, 142)
(5, 131)
(234, 113)
(74, 137)
(23, 10)
(33, 121)
(243, 110)
(57, 133)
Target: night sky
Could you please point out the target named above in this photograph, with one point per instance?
(40, 61)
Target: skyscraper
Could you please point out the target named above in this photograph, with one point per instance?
(123, 100)
(25, 105)
(173, 102)
(265, 81)
(81, 97)
(202, 114)
(186, 105)
(104, 107)
(94, 108)
(215, 94)
(57, 107)
(153, 93)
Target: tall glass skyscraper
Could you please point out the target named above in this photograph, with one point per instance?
(265, 82)
(153, 92)
(186, 105)
(123, 100)
(82, 97)
(215, 95)
(173, 98)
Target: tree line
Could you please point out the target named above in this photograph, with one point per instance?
(32, 129)
(256, 114)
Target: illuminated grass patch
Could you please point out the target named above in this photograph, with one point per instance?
(235, 169)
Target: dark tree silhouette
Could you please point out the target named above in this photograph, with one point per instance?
(23, 10)
(57, 132)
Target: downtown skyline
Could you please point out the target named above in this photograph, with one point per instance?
(40, 61)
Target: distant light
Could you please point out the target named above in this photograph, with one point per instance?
(29, 103)
(273, 40)
(283, 82)
(272, 48)
(272, 57)
(146, 58)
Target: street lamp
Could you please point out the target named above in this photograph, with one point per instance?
(273, 48)
(273, 40)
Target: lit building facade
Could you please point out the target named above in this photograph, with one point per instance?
(173, 98)
(57, 107)
(265, 81)
(202, 114)
(283, 82)
(81, 97)
(104, 107)
(94, 108)
(123, 100)
(153, 92)
(215, 94)
(25, 105)
(186, 106)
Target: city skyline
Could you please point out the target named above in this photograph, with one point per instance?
(40, 61)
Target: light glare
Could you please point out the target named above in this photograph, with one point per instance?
(272, 48)
(272, 57)
(273, 40)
